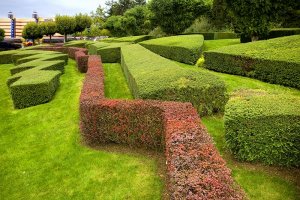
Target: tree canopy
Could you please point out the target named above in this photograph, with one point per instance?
(32, 31)
(65, 25)
(82, 22)
(174, 16)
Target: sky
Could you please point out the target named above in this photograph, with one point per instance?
(47, 8)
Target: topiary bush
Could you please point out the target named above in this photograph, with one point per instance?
(264, 128)
(151, 76)
(183, 48)
(274, 61)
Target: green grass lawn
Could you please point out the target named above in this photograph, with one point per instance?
(42, 156)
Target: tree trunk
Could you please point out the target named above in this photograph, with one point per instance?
(65, 40)
(254, 38)
(50, 39)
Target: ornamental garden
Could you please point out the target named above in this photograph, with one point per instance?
(160, 109)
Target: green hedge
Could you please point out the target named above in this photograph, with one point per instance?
(274, 61)
(45, 65)
(183, 48)
(36, 79)
(130, 39)
(264, 128)
(274, 33)
(151, 76)
(42, 57)
(109, 52)
(33, 87)
(6, 56)
(78, 43)
(216, 35)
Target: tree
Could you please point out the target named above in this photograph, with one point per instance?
(65, 25)
(121, 6)
(82, 22)
(116, 25)
(2, 34)
(48, 28)
(98, 17)
(219, 14)
(253, 17)
(32, 31)
(137, 20)
(174, 16)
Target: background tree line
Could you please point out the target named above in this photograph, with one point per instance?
(251, 18)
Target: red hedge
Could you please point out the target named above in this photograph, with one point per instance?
(81, 61)
(72, 51)
(194, 167)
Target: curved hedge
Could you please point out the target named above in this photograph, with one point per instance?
(274, 61)
(183, 48)
(151, 76)
(131, 39)
(264, 128)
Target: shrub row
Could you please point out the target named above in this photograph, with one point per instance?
(274, 33)
(195, 170)
(264, 128)
(216, 35)
(78, 43)
(151, 76)
(110, 52)
(6, 56)
(81, 61)
(131, 39)
(184, 48)
(274, 61)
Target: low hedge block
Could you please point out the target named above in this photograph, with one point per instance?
(81, 61)
(195, 170)
(6, 56)
(73, 50)
(151, 76)
(41, 57)
(274, 61)
(53, 48)
(131, 39)
(33, 87)
(27, 53)
(184, 48)
(264, 128)
(109, 52)
(216, 35)
(43, 65)
(78, 43)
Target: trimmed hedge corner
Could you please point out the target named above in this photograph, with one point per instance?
(183, 48)
(81, 61)
(109, 52)
(274, 61)
(264, 128)
(151, 76)
(195, 169)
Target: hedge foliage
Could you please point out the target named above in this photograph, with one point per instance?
(195, 170)
(6, 56)
(281, 32)
(130, 39)
(78, 43)
(264, 128)
(109, 52)
(36, 78)
(216, 35)
(274, 61)
(151, 76)
(183, 48)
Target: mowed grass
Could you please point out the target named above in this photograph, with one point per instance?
(115, 83)
(42, 155)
